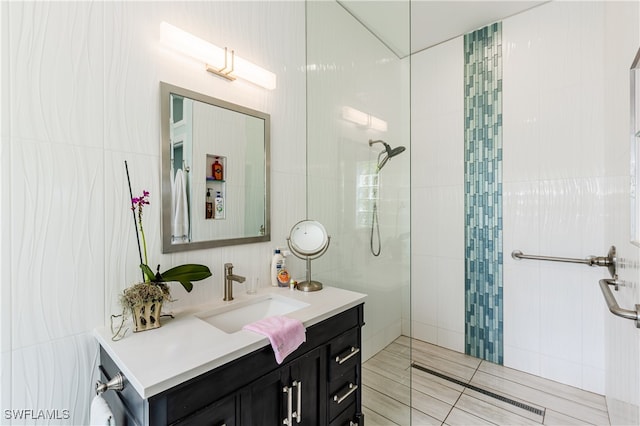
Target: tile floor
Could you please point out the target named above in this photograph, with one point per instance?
(390, 383)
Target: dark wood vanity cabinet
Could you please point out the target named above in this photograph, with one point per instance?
(319, 384)
(293, 392)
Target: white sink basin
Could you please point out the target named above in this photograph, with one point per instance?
(231, 318)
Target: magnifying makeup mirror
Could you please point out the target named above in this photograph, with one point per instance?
(308, 240)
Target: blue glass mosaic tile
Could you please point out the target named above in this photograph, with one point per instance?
(483, 193)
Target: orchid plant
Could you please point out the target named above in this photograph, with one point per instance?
(153, 288)
(183, 274)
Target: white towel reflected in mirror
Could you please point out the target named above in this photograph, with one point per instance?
(180, 209)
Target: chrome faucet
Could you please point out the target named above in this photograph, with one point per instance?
(229, 278)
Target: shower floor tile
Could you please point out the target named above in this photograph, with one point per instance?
(463, 390)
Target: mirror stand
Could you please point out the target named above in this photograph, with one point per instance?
(309, 284)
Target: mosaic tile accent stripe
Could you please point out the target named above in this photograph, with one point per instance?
(483, 193)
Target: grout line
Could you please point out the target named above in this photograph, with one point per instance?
(387, 396)
(381, 415)
(459, 396)
(452, 407)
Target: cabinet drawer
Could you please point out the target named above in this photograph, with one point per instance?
(343, 392)
(344, 353)
(220, 413)
(346, 418)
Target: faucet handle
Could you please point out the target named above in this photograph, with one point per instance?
(228, 266)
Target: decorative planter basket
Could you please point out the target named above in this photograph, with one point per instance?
(145, 301)
(146, 316)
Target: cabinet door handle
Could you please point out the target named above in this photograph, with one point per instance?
(288, 420)
(343, 357)
(298, 412)
(350, 389)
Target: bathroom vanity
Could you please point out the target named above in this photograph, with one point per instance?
(204, 375)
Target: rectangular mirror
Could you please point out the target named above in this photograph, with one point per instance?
(215, 172)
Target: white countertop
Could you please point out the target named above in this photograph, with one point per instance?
(187, 346)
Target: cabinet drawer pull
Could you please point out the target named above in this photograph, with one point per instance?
(343, 357)
(298, 413)
(299, 407)
(350, 389)
(288, 420)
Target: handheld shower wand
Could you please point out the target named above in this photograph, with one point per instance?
(388, 152)
(383, 158)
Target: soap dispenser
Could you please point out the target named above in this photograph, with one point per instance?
(219, 206)
(276, 265)
(217, 169)
(209, 206)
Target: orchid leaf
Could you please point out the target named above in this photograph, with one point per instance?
(184, 274)
(148, 273)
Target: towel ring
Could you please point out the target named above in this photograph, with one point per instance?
(116, 384)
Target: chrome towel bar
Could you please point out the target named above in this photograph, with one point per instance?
(116, 384)
(613, 305)
(608, 261)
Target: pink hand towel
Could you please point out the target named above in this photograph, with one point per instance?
(285, 334)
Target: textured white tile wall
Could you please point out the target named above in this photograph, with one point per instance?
(556, 190)
(559, 170)
(5, 214)
(622, 338)
(437, 190)
(80, 94)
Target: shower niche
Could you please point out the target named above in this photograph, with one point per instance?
(216, 168)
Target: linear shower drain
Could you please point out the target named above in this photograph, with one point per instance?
(482, 391)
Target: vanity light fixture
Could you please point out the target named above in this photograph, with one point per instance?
(222, 62)
(363, 119)
(355, 116)
(377, 124)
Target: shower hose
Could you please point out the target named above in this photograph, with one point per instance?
(375, 224)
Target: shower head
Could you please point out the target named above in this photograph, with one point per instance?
(388, 152)
(395, 151)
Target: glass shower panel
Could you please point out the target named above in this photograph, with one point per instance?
(358, 85)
